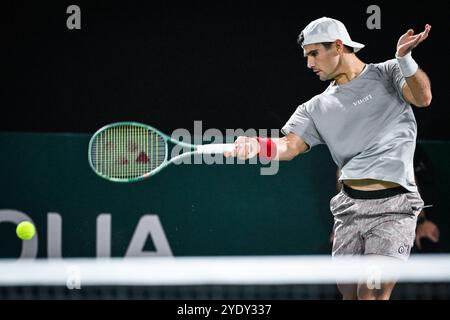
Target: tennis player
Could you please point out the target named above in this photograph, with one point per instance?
(365, 119)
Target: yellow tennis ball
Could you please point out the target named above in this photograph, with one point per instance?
(25, 230)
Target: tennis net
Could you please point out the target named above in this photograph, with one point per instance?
(237, 278)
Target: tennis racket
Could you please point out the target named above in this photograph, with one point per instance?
(132, 151)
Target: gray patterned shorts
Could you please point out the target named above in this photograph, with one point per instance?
(381, 226)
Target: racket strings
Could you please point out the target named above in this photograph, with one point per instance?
(127, 152)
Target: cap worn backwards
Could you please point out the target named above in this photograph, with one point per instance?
(327, 30)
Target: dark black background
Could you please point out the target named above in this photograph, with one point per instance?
(231, 64)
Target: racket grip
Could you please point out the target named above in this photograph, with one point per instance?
(215, 148)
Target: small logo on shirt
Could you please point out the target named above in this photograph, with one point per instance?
(363, 100)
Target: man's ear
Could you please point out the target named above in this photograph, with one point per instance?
(339, 46)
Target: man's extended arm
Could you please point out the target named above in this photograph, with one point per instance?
(285, 148)
(417, 89)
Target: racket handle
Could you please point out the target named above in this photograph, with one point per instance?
(215, 148)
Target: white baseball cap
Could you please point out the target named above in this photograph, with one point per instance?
(327, 30)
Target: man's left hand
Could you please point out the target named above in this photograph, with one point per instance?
(409, 41)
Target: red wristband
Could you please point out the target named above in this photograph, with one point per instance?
(267, 148)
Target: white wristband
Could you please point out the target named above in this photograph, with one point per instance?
(408, 66)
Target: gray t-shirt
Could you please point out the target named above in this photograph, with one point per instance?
(368, 127)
